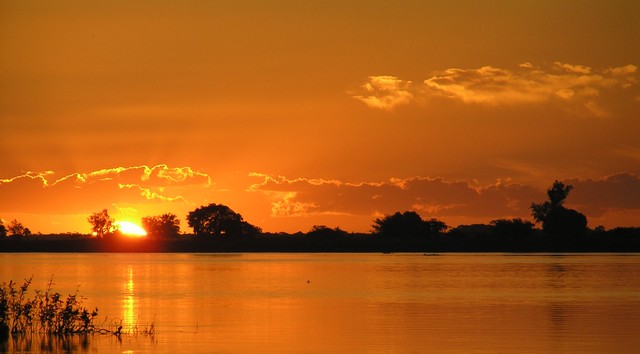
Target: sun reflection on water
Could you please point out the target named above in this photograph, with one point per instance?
(129, 303)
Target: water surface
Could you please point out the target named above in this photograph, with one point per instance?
(375, 303)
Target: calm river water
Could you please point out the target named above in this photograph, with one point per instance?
(350, 303)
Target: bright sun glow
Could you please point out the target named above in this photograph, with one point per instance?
(130, 229)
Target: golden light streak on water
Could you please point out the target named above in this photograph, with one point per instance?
(129, 303)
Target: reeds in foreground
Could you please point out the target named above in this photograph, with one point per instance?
(47, 312)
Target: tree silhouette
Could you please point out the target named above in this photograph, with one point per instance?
(323, 231)
(555, 218)
(512, 228)
(567, 222)
(16, 229)
(249, 229)
(557, 195)
(435, 226)
(101, 223)
(161, 226)
(3, 230)
(407, 224)
(217, 219)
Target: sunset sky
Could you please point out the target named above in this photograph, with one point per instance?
(297, 113)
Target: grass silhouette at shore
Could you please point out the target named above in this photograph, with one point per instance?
(50, 313)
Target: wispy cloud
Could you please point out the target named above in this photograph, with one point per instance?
(432, 196)
(45, 193)
(624, 71)
(385, 92)
(39, 177)
(162, 174)
(149, 194)
(495, 86)
(285, 204)
(158, 174)
(569, 84)
(577, 69)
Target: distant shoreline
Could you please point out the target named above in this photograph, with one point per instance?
(360, 243)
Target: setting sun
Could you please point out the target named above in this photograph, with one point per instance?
(131, 229)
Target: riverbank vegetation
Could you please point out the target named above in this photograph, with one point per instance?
(48, 312)
(217, 228)
(55, 320)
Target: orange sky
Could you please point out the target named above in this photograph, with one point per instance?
(300, 113)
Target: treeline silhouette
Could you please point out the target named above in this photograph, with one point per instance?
(217, 228)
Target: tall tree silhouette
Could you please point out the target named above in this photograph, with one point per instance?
(557, 195)
(101, 223)
(555, 218)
